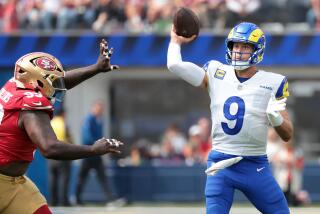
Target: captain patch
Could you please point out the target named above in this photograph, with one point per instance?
(219, 74)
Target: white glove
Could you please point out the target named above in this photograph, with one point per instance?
(215, 167)
(273, 110)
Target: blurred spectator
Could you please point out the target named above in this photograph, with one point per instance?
(86, 12)
(67, 15)
(111, 16)
(313, 16)
(49, 13)
(154, 10)
(159, 15)
(191, 151)
(274, 144)
(291, 163)
(173, 140)
(136, 16)
(139, 154)
(287, 163)
(206, 140)
(200, 7)
(60, 169)
(297, 10)
(170, 150)
(216, 13)
(10, 16)
(276, 9)
(30, 11)
(1, 13)
(242, 10)
(135, 157)
(135, 11)
(92, 130)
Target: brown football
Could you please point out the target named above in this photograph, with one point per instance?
(186, 22)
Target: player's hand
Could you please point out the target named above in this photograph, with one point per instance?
(180, 39)
(103, 62)
(273, 110)
(104, 145)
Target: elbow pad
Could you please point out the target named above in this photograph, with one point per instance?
(188, 71)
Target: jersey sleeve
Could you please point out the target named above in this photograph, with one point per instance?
(283, 90)
(211, 69)
(35, 101)
(206, 66)
(211, 66)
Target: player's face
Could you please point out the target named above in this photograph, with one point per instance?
(241, 51)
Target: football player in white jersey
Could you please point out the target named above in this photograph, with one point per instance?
(244, 102)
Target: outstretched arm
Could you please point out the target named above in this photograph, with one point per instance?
(38, 128)
(188, 71)
(76, 76)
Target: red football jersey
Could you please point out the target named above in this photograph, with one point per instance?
(15, 145)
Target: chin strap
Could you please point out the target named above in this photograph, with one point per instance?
(240, 68)
(240, 65)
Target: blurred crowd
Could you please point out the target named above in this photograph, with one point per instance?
(174, 147)
(177, 149)
(144, 16)
(287, 161)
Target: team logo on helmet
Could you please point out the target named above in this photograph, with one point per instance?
(46, 63)
(40, 72)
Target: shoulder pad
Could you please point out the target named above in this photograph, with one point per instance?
(211, 64)
(35, 101)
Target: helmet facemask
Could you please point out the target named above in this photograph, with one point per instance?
(41, 72)
(241, 64)
(59, 89)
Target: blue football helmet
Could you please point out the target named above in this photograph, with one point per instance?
(250, 33)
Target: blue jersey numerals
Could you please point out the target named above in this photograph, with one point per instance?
(238, 116)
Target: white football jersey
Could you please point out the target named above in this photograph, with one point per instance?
(238, 110)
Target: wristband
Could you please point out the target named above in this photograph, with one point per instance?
(275, 120)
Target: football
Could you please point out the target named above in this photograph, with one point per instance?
(186, 22)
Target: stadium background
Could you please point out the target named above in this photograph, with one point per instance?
(143, 98)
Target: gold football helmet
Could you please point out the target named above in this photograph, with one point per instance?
(41, 72)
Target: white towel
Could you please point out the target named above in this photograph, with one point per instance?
(215, 167)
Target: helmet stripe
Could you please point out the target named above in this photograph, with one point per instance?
(255, 35)
(230, 34)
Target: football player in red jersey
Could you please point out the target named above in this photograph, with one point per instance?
(25, 112)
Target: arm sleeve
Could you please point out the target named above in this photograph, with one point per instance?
(188, 71)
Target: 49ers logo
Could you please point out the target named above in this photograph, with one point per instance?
(46, 63)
